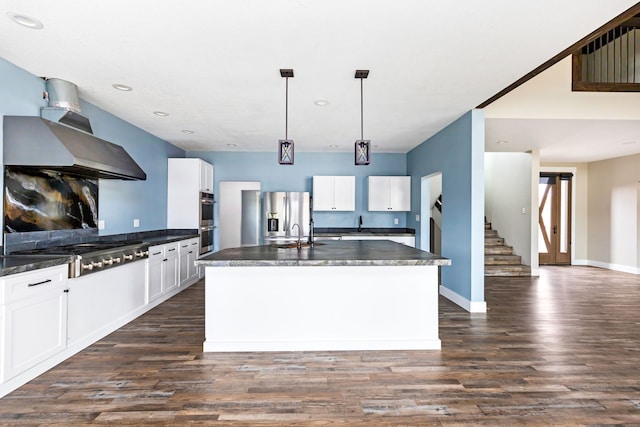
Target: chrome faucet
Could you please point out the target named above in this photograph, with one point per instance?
(299, 242)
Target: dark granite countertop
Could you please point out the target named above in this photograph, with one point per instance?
(342, 231)
(13, 264)
(168, 238)
(325, 253)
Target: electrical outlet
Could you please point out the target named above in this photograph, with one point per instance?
(101, 224)
(136, 223)
(395, 221)
(417, 218)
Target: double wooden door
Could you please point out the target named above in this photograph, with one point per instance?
(554, 218)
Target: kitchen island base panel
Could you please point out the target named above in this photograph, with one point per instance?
(317, 308)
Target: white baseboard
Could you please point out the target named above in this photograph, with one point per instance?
(584, 262)
(615, 267)
(470, 306)
(334, 345)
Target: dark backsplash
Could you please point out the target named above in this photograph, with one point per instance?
(46, 201)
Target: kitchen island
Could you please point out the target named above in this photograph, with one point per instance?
(338, 295)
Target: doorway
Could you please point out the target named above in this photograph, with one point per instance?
(554, 218)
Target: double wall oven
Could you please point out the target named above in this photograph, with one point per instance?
(206, 222)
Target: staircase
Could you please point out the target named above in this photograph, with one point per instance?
(499, 259)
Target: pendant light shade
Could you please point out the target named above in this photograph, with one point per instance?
(362, 148)
(285, 146)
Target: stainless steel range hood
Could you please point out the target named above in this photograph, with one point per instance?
(38, 143)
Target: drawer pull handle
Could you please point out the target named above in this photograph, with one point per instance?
(156, 253)
(172, 249)
(39, 283)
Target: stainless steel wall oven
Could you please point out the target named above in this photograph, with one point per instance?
(206, 209)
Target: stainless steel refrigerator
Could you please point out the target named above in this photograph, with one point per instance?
(250, 224)
(281, 212)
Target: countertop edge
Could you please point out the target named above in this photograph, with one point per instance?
(322, 263)
(30, 264)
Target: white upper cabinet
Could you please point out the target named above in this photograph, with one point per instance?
(389, 193)
(186, 179)
(206, 177)
(334, 193)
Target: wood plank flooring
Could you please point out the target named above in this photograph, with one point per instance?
(562, 349)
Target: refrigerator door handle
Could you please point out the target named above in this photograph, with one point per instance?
(285, 206)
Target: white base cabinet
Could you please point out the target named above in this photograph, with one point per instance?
(405, 240)
(162, 270)
(188, 254)
(45, 317)
(34, 318)
(98, 301)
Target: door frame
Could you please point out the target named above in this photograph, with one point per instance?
(574, 179)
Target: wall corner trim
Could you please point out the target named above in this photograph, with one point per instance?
(470, 306)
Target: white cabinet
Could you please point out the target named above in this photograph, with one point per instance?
(206, 177)
(162, 270)
(334, 193)
(405, 240)
(34, 318)
(186, 179)
(188, 254)
(389, 193)
(101, 302)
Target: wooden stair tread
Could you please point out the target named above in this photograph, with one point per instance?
(499, 259)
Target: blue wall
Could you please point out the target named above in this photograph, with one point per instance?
(119, 201)
(458, 152)
(264, 167)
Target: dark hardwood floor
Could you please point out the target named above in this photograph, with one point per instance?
(562, 349)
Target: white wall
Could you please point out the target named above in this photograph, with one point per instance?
(613, 213)
(507, 193)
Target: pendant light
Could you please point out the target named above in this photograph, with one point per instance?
(285, 146)
(362, 146)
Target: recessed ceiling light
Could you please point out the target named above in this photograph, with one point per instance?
(321, 102)
(333, 146)
(630, 142)
(231, 145)
(25, 21)
(122, 87)
(187, 131)
(502, 142)
(160, 113)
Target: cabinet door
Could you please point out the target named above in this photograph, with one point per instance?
(323, 193)
(171, 267)
(379, 193)
(400, 193)
(183, 265)
(155, 273)
(34, 329)
(206, 177)
(194, 274)
(344, 193)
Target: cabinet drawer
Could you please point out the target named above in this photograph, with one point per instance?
(156, 252)
(171, 249)
(32, 283)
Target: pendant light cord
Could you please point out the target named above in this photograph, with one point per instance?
(286, 110)
(361, 113)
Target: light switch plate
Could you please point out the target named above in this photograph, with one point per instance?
(395, 221)
(136, 223)
(101, 224)
(417, 218)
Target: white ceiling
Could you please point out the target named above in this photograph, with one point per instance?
(565, 126)
(214, 65)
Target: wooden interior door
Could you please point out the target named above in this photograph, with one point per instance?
(554, 218)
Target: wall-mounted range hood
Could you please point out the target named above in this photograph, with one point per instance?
(36, 142)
